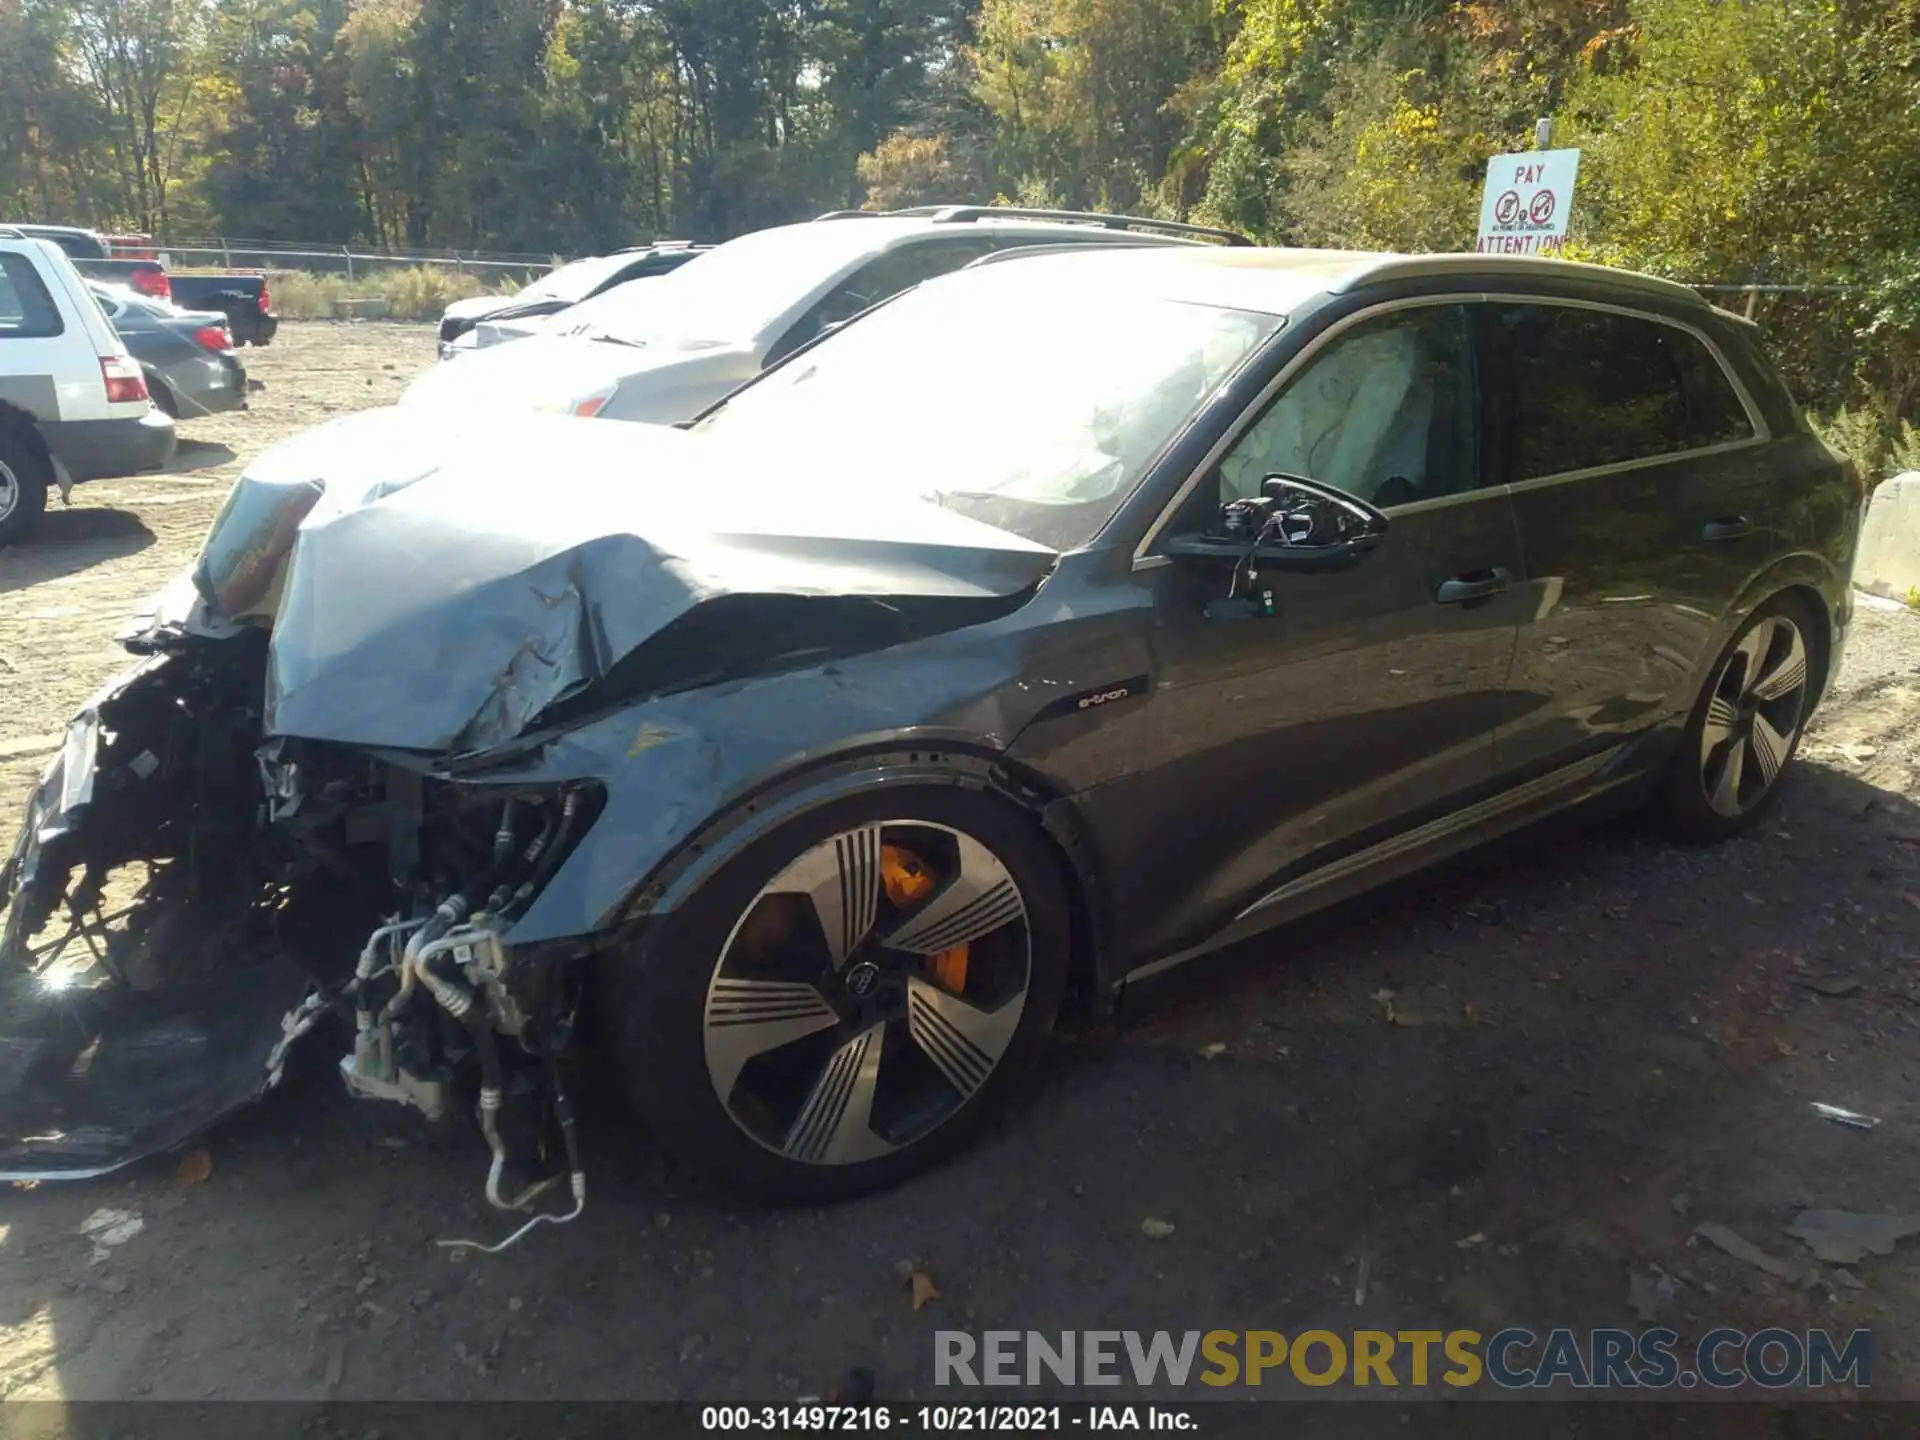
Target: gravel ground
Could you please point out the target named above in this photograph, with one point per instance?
(1504, 1091)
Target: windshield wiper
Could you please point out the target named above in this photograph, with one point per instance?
(608, 338)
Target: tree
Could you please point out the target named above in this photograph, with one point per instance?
(133, 55)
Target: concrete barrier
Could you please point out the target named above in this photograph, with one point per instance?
(1888, 561)
(361, 307)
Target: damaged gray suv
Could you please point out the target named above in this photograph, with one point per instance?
(1055, 622)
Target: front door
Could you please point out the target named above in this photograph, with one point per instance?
(1371, 695)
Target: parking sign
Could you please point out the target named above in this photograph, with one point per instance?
(1527, 201)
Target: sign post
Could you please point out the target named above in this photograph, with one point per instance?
(1527, 202)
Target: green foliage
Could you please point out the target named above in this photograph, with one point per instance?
(574, 125)
(907, 170)
(1080, 92)
(1722, 140)
(1859, 434)
(1751, 139)
(1903, 449)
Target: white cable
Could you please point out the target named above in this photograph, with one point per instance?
(579, 1204)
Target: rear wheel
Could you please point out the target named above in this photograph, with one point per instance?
(163, 398)
(1745, 728)
(24, 479)
(850, 998)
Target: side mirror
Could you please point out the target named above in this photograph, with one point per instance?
(1295, 524)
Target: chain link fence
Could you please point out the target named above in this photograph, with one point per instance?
(352, 262)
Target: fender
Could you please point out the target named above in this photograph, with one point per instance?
(1802, 569)
(714, 845)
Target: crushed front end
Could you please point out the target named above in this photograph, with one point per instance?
(398, 753)
(445, 1012)
(187, 898)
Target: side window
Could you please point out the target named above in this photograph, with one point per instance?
(1591, 388)
(27, 311)
(1388, 412)
(881, 277)
(1715, 415)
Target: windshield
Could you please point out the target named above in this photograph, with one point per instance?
(1029, 395)
(574, 281)
(737, 290)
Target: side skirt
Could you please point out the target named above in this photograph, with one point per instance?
(1416, 849)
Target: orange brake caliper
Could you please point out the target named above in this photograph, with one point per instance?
(907, 882)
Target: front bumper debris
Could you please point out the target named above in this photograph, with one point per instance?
(96, 1076)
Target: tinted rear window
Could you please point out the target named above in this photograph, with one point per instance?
(27, 311)
(1591, 388)
(1715, 415)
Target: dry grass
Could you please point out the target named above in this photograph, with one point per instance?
(420, 293)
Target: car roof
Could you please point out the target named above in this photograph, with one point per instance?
(1277, 280)
(43, 231)
(879, 232)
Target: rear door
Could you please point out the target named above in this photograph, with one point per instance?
(46, 359)
(1643, 506)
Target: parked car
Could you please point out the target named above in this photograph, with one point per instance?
(73, 403)
(186, 355)
(486, 320)
(666, 351)
(245, 300)
(1056, 622)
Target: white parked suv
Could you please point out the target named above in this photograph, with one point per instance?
(73, 403)
(665, 351)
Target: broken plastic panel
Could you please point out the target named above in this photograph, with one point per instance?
(95, 1074)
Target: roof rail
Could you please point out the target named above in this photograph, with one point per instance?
(963, 214)
(911, 212)
(1023, 252)
(1416, 267)
(10, 232)
(966, 214)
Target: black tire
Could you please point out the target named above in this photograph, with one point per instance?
(1684, 803)
(163, 398)
(25, 478)
(649, 999)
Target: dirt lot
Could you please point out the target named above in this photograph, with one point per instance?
(1593, 1043)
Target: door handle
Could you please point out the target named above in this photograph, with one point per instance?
(1473, 585)
(1731, 527)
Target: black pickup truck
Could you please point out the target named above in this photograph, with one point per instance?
(245, 300)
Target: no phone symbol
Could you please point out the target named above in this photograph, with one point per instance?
(1540, 209)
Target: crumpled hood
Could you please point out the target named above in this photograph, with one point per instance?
(549, 372)
(448, 615)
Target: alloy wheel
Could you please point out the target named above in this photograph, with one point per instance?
(1757, 707)
(868, 992)
(10, 490)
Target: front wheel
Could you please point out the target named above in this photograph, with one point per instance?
(1745, 728)
(849, 998)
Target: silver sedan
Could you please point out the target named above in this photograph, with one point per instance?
(187, 355)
